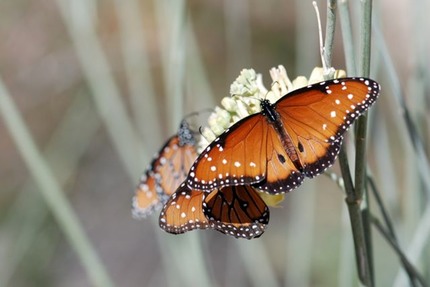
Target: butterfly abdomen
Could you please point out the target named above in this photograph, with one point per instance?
(274, 120)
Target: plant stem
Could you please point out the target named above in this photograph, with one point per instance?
(354, 194)
(403, 258)
(329, 32)
(390, 232)
(348, 46)
(51, 191)
(361, 129)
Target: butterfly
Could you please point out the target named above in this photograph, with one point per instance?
(166, 172)
(234, 210)
(296, 137)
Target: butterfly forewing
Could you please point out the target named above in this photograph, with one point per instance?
(316, 117)
(174, 165)
(237, 157)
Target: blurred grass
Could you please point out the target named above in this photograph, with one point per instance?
(145, 65)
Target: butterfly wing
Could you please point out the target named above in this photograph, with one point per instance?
(281, 173)
(166, 172)
(237, 210)
(317, 116)
(227, 210)
(183, 211)
(174, 165)
(236, 157)
(146, 200)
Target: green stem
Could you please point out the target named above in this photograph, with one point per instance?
(390, 233)
(29, 206)
(348, 46)
(361, 128)
(354, 194)
(329, 32)
(355, 216)
(403, 258)
(52, 192)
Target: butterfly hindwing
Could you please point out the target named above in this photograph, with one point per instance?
(236, 211)
(183, 211)
(146, 199)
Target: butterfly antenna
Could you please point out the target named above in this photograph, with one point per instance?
(185, 123)
(196, 113)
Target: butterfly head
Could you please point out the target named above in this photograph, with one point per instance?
(185, 135)
(268, 110)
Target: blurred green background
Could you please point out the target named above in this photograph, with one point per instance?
(102, 84)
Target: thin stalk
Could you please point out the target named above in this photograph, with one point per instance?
(298, 269)
(421, 235)
(348, 44)
(367, 230)
(329, 32)
(107, 97)
(197, 78)
(172, 17)
(361, 131)
(51, 191)
(399, 252)
(419, 148)
(353, 196)
(29, 207)
(418, 243)
(236, 15)
(391, 232)
(248, 252)
(137, 70)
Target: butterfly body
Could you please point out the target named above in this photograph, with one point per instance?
(296, 137)
(274, 119)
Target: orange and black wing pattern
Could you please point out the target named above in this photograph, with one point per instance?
(236, 211)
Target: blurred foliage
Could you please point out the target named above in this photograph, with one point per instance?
(44, 73)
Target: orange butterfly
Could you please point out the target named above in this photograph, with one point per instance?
(165, 173)
(296, 137)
